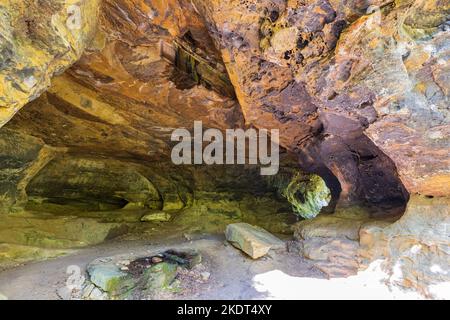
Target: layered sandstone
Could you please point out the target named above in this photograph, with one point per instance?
(358, 89)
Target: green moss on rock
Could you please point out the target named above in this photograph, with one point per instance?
(160, 276)
(307, 194)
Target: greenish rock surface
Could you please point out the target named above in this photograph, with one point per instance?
(55, 232)
(254, 241)
(110, 278)
(3, 297)
(53, 199)
(307, 194)
(160, 276)
(157, 217)
(97, 183)
(131, 277)
(18, 152)
(12, 255)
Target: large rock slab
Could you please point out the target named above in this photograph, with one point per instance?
(254, 241)
(55, 232)
(12, 255)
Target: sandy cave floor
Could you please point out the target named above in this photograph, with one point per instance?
(232, 274)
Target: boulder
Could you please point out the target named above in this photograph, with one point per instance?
(110, 278)
(131, 277)
(160, 276)
(254, 241)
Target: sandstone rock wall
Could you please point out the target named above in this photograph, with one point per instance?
(331, 74)
(415, 249)
(358, 89)
(39, 39)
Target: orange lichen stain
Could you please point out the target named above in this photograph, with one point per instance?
(436, 185)
(421, 87)
(416, 60)
(374, 43)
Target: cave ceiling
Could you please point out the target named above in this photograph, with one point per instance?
(358, 89)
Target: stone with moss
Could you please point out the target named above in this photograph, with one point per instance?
(160, 276)
(110, 279)
(307, 194)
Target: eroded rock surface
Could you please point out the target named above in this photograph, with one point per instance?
(358, 89)
(415, 249)
(332, 241)
(39, 39)
(330, 75)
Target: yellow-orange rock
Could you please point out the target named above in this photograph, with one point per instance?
(39, 39)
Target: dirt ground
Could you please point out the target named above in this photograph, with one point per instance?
(231, 274)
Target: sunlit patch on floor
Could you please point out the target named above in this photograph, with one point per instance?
(368, 284)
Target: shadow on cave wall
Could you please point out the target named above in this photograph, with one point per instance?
(357, 173)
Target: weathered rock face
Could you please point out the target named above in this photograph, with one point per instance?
(39, 39)
(121, 101)
(415, 249)
(332, 241)
(358, 89)
(330, 74)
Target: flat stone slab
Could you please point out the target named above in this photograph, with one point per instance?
(253, 240)
(156, 217)
(129, 276)
(105, 276)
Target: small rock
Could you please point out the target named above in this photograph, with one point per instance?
(97, 294)
(124, 262)
(87, 291)
(157, 260)
(254, 241)
(124, 268)
(156, 217)
(187, 236)
(205, 276)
